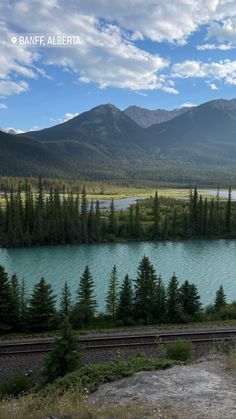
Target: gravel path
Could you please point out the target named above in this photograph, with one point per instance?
(200, 390)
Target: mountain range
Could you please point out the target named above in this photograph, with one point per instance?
(183, 145)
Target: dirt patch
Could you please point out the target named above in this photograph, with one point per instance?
(200, 390)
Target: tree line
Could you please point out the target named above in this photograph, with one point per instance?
(145, 300)
(57, 218)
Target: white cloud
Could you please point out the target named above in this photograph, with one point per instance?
(8, 87)
(107, 54)
(11, 130)
(210, 47)
(3, 106)
(224, 31)
(69, 115)
(224, 71)
(187, 105)
(212, 86)
(161, 20)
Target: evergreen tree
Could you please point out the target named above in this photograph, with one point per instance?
(137, 231)
(145, 291)
(84, 216)
(42, 307)
(91, 224)
(5, 301)
(65, 306)
(65, 357)
(228, 212)
(173, 300)
(112, 294)
(174, 222)
(189, 298)
(125, 310)
(86, 303)
(160, 302)
(220, 299)
(131, 221)
(97, 226)
(112, 218)
(15, 317)
(156, 217)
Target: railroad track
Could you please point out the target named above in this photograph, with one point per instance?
(108, 342)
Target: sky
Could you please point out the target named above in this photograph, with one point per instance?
(59, 58)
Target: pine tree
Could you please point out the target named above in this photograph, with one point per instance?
(91, 224)
(97, 226)
(112, 219)
(156, 217)
(84, 216)
(220, 299)
(165, 228)
(125, 310)
(15, 317)
(137, 231)
(173, 300)
(189, 298)
(86, 303)
(174, 222)
(131, 221)
(65, 306)
(160, 303)
(5, 301)
(112, 294)
(228, 212)
(65, 357)
(42, 306)
(145, 291)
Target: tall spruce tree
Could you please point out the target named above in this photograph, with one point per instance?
(189, 299)
(42, 307)
(228, 211)
(156, 217)
(173, 300)
(145, 292)
(84, 216)
(112, 218)
(97, 223)
(65, 306)
(86, 302)
(112, 294)
(125, 310)
(15, 287)
(5, 301)
(220, 299)
(160, 309)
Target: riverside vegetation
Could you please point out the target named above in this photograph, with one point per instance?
(142, 301)
(29, 218)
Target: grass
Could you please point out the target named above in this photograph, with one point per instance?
(68, 397)
(121, 193)
(72, 405)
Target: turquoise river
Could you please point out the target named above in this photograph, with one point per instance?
(207, 263)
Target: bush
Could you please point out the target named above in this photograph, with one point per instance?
(15, 386)
(179, 351)
(92, 376)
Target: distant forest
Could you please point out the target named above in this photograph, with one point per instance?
(29, 217)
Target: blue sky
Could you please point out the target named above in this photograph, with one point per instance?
(152, 53)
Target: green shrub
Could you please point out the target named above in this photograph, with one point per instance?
(179, 351)
(15, 386)
(92, 376)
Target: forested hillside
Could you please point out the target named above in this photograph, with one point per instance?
(198, 145)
